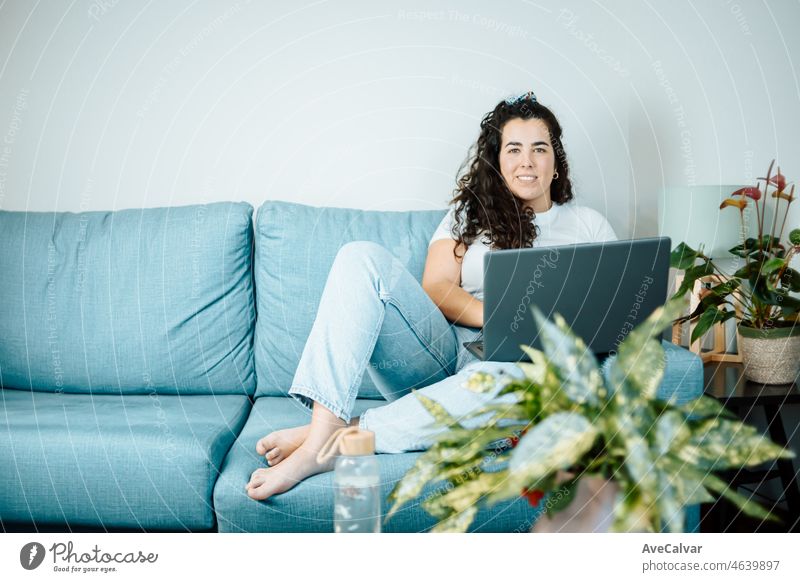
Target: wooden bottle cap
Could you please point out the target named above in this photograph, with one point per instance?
(361, 442)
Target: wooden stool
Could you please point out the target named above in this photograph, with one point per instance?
(718, 352)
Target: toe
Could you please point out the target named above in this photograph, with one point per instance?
(257, 478)
(264, 444)
(273, 456)
(261, 492)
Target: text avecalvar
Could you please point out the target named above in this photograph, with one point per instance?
(671, 549)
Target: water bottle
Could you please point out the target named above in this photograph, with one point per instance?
(356, 481)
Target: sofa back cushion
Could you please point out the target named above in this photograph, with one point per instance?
(295, 248)
(156, 300)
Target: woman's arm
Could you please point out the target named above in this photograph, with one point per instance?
(441, 280)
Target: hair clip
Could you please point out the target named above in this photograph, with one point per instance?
(514, 100)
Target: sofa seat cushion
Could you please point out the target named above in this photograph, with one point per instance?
(132, 301)
(295, 248)
(133, 461)
(308, 507)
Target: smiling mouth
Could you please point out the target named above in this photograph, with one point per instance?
(527, 179)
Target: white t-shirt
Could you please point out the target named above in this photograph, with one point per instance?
(561, 225)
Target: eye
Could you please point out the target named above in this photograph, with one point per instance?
(542, 150)
(513, 150)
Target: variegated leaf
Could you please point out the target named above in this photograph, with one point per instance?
(696, 495)
(461, 473)
(480, 382)
(481, 436)
(440, 416)
(537, 370)
(415, 479)
(640, 365)
(640, 357)
(718, 443)
(669, 504)
(689, 487)
(509, 412)
(746, 504)
(576, 364)
(456, 523)
(705, 407)
(671, 432)
(465, 495)
(555, 443)
(632, 514)
(638, 462)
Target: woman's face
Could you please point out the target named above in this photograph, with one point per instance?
(527, 161)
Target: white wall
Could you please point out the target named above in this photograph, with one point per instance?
(110, 104)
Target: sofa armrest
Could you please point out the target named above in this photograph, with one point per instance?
(683, 374)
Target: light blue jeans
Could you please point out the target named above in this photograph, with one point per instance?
(375, 316)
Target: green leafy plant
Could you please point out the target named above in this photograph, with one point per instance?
(762, 287)
(570, 416)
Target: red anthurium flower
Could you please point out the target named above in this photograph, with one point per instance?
(778, 180)
(751, 192)
(534, 496)
(741, 204)
(514, 439)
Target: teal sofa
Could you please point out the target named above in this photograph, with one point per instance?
(143, 353)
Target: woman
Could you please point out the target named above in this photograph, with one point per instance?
(514, 195)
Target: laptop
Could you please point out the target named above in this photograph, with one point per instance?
(602, 290)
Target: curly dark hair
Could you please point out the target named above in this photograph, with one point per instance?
(483, 202)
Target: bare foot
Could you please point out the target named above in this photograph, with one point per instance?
(302, 463)
(278, 445)
(298, 466)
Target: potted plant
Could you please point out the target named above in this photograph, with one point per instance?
(573, 425)
(758, 294)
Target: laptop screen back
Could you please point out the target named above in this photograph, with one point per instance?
(603, 291)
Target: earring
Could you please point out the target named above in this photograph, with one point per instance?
(555, 176)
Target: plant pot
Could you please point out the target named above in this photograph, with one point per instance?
(591, 511)
(770, 355)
